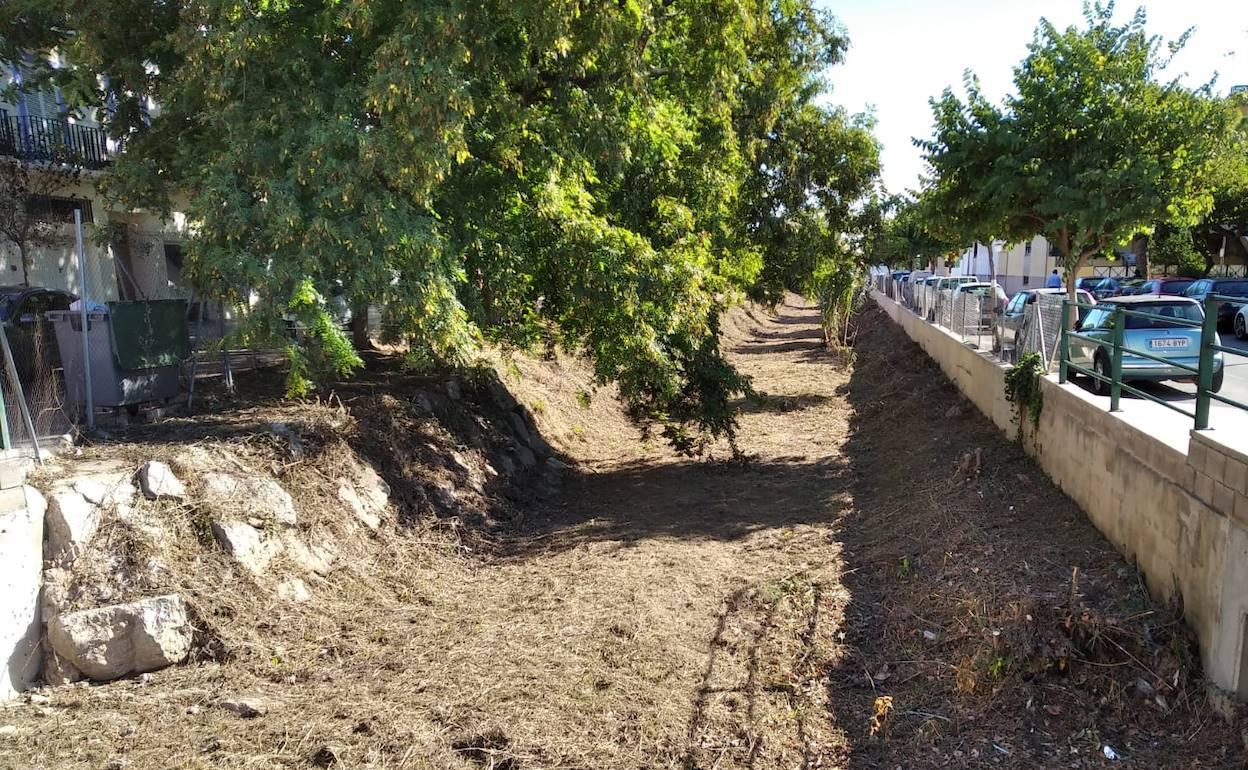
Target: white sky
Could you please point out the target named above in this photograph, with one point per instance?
(903, 52)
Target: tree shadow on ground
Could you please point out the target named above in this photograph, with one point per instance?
(694, 500)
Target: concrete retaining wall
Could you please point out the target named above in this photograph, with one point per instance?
(1178, 508)
(21, 578)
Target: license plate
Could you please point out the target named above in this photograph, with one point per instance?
(1167, 343)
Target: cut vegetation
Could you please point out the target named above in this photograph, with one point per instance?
(880, 580)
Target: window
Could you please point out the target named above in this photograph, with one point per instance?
(1181, 310)
(46, 208)
(1027, 249)
(1233, 288)
(1098, 318)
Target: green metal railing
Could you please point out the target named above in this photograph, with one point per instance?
(1203, 372)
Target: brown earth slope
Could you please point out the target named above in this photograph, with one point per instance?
(847, 596)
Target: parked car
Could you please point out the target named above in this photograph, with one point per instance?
(1158, 287)
(947, 283)
(1240, 325)
(950, 281)
(983, 289)
(1011, 319)
(1170, 340)
(1235, 287)
(1099, 286)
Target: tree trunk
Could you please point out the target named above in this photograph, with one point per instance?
(992, 271)
(1139, 245)
(359, 327)
(21, 251)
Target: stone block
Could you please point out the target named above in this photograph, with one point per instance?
(1215, 465)
(72, 521)
(1223, 499)
(159, 482)
(110, 642)
(1204, 489)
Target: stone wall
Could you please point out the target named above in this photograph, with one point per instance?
(1178, 509)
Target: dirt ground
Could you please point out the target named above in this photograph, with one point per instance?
(859, 592)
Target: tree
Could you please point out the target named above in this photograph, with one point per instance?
(26, 219)
(515, 171)
(906, 237)
(1090, 149)
(1172, 247)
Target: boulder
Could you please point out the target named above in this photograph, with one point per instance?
(525, 456)
(348, 495)
(444, 496)
(58, 671)
(315, 558)
(249, 546)
(373, 489)
(159, 482)
(255, 495)
(519, 427)
(105, 489)
(109, 642)
(71, 522)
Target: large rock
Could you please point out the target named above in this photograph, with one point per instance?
(350, 497)
(105, 489)
(318, 557)
(110, 642)
(257, 496)
(250, 547)
(159, 482)
(21, 567)
(72, 520)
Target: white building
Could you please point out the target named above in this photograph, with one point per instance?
(129, 254)
(1019, 266)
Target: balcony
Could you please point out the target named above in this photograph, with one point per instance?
(45, 140)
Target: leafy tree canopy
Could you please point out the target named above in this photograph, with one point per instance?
(1090, 148)
(608, 176)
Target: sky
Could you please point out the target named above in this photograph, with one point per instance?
(903, 52)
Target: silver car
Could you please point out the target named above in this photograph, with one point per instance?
(1171, 340)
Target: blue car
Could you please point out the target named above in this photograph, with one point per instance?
(1172, 341)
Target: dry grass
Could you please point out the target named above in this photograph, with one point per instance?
(656, 613)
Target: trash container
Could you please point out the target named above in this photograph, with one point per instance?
(127, 368)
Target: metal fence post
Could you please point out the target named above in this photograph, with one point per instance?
(1062, 369)
(1115, 388)
(1204, 379)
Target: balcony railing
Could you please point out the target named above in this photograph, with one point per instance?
(45, 140)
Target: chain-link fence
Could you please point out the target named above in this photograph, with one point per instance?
(35, 408)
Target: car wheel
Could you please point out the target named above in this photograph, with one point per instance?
(1220, 374)
(1101, 366)
(1240, 331)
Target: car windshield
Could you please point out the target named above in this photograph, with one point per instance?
(6, 306)
(1091, 284)
(1103, 316)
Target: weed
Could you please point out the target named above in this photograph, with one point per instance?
(904, 567)
(1022, 386)
(584, 399)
